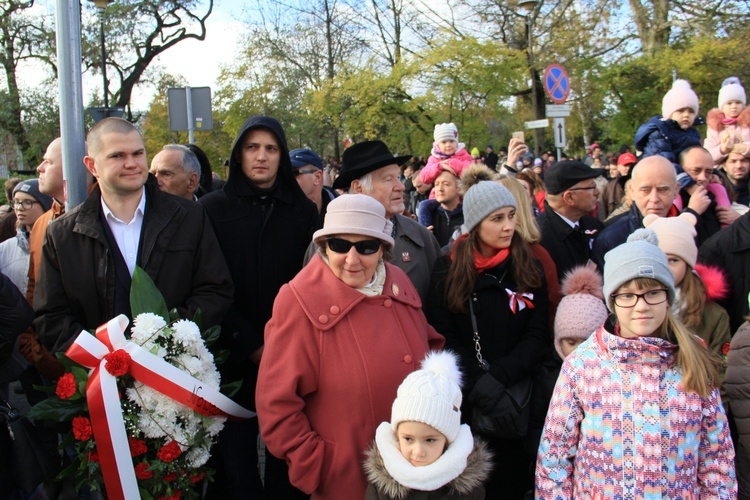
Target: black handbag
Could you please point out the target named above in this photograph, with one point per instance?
(498, 411)
(31, 461)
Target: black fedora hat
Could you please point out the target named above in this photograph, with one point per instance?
(363, 158)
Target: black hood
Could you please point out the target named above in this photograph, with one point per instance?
(285, 175)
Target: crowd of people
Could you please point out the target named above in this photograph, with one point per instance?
(465, 326)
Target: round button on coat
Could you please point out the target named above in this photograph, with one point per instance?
(335, 310)
(323, 318)
(407, 359)
(388, 303)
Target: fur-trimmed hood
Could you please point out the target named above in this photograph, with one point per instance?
(713, 119)
(476, 471)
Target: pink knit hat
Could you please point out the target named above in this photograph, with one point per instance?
(676, 235)
(581, 310)
(681, 95)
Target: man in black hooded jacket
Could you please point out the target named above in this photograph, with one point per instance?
(263, 222)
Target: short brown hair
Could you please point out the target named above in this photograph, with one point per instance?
(106, 126)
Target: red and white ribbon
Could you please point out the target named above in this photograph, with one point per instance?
(518, 301)
(104, 400)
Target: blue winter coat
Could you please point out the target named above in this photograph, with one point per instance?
(666, 138)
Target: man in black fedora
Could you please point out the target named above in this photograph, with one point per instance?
(370, 168)
(568, 231)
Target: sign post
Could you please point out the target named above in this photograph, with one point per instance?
(557, 87)
(190, 109)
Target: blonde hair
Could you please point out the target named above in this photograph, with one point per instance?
(526, 225)
(698, 364)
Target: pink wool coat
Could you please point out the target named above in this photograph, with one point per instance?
(741, 133)
(458, 162)
(332, 362)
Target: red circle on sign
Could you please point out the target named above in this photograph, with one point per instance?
(556, 83)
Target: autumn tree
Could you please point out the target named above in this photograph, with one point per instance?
(137, 31)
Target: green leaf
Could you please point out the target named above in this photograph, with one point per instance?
(45, 388)
(231, 389)
(221, 356)
(80, 374)
(197, 317)
(211, 335)
(60, 410)
(145, 297)
(174, 315)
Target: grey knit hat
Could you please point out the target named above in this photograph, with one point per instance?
(639, 257)
(31, 187)
(481, 200)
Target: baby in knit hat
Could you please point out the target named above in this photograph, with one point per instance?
(729, 124)
(448, 155)
(671, 132)
(425, 448)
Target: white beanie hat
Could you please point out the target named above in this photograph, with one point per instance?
(680, 96)
(676, 235)
(431, 395)
(445, 131)
(731, 89)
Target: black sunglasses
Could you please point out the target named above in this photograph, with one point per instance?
(364, 247)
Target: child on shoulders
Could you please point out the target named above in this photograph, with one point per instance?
(729, 124)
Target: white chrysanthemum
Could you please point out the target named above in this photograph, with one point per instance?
(144, 327)
(215, 426)
(190, 364)
(197, 457)
(187, 333)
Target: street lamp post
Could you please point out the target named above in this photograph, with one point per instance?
(99, 113)
(529, 6)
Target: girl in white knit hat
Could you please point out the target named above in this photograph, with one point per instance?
(729, 124)
(448, 155)
(424, 451)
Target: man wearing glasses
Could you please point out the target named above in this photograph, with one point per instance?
(568, 231)
(308, 170)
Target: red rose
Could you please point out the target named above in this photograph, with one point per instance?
(725, 348)
(82, 428)
(137, 447)
(142, 472)
(197, 477)
(168, 478)
(66, 386)
(175, 496)
(93, 456)
(169, 452)
(118, 362)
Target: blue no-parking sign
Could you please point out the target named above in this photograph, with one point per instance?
(556, 83)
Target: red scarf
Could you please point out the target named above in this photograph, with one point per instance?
(482, 263)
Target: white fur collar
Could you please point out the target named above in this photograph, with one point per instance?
(430, 477)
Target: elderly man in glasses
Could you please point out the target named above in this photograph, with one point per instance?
(369, 168)
(308, 170)
(568, 231)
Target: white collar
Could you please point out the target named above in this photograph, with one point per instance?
(430, 477)
(141, 208)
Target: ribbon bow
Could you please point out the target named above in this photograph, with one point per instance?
(104, 400)
(518, 301)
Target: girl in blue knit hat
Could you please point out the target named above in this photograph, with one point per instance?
(636, 411)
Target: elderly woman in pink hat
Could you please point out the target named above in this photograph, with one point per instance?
(343, 335)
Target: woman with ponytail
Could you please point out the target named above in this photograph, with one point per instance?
(636, 411)
(491, 274)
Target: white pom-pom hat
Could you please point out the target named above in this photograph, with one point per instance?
(680, 96)
(431, 395)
